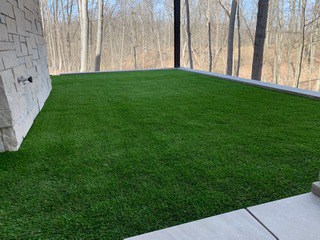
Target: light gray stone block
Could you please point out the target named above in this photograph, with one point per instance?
(10, 140)
(21, 45)
(9, 59)
(5, 46)
(3, 33)
(2, 149)
(42, 51)
(237, 225)
(5, 119)
(23, 126)
(316, 189)
(29, 63)
(7, 82)
(2, 19)
(19, 109)
(24, 49)
(1, 64)
(6, 8)
(21, 4)
(12, 26)
(295, 218)
(22, 24)
(4, 104)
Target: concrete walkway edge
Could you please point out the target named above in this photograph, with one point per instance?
(266, 85)
(292, 218)
(118, 71)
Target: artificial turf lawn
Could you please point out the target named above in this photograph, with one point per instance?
(118, 154)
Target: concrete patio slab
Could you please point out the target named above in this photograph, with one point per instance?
(295, 218)
(235, 225)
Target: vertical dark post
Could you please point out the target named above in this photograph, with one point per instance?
(177, 33)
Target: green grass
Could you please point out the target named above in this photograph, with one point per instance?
(120, 154)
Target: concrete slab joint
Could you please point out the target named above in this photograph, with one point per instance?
(293, 218)
(237, 225)
(22, 54)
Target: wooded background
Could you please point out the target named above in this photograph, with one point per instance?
(217, 35)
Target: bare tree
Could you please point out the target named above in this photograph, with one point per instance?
(139, 35)
(69, 10)
(99, 36)
(231, 36)
(317, 87)
(302, 45)
(260, 36)
(84, 25)
(189, 33)
(208, 17)
(239, 41)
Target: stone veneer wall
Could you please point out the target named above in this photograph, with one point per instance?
(22, 53)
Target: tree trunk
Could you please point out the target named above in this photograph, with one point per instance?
(97, 63)
(260, 36)
(122, 47)
(302, 46)
(159, 49)
(290, 40)
(124, 21)
(277, 44)
(317, 87)
(232, 21)
(312, 49)
(311, 61)
(69, 12)
(84, 26)
(111, 46)
(209, 37)
(239, 42)
(189, 33)
(135, 57)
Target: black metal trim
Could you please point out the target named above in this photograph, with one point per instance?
(177, 33)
